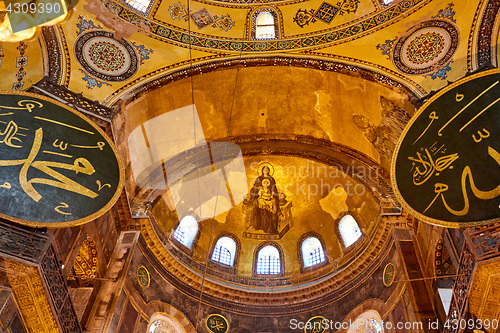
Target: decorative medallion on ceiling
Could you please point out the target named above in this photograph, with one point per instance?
(431, 45)
(217, 323)
(103, 57)
(106, 58)
(389, 275)
(143, 276)
(427, 48)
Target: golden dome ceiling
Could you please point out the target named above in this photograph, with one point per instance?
(366, 35)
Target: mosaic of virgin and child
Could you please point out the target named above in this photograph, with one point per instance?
(265, 200)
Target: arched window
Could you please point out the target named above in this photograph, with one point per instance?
(265, 24)
(186, 231)
(224, 251)
(161, 323)
(349, 230)
(162, 326)
(141, 6)
(268, 260)
(312, 252)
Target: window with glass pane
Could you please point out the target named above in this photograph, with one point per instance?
(312, 252)
(349, 230)
(179, 235)
(222, 255)
(186, 231)
(140, 5)
(224, 251)
(265, 26)
(268, 261)
(316, 256)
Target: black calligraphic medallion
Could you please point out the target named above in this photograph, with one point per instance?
(446, 166)
(217, 323)
(316, 324)
(143, 276)
(57, 168)
(389, 275)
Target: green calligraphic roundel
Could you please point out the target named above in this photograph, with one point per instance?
(217, 323)
(143, 276)
(446, 166)
(57, 168)
(316, 324)
(389, 274)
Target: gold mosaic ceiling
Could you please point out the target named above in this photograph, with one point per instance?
(417, 44)
(326, 168)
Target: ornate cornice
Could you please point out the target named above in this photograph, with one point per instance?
(484, 35)
(48, 87)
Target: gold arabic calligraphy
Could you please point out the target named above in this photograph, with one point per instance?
(424, 165)
(440, 188)
(428, 166)
(80, 165)
(217, 324)
(10, 133)
(24, 105)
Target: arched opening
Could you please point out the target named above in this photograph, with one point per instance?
(349, 230)
(224, 251)
(161, 323)
(186, 231)
(268, 260)
(312, 252)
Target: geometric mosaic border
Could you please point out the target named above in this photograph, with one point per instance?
(55, 50)
(166, 33)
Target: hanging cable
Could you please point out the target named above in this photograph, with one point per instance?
(220, 177)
